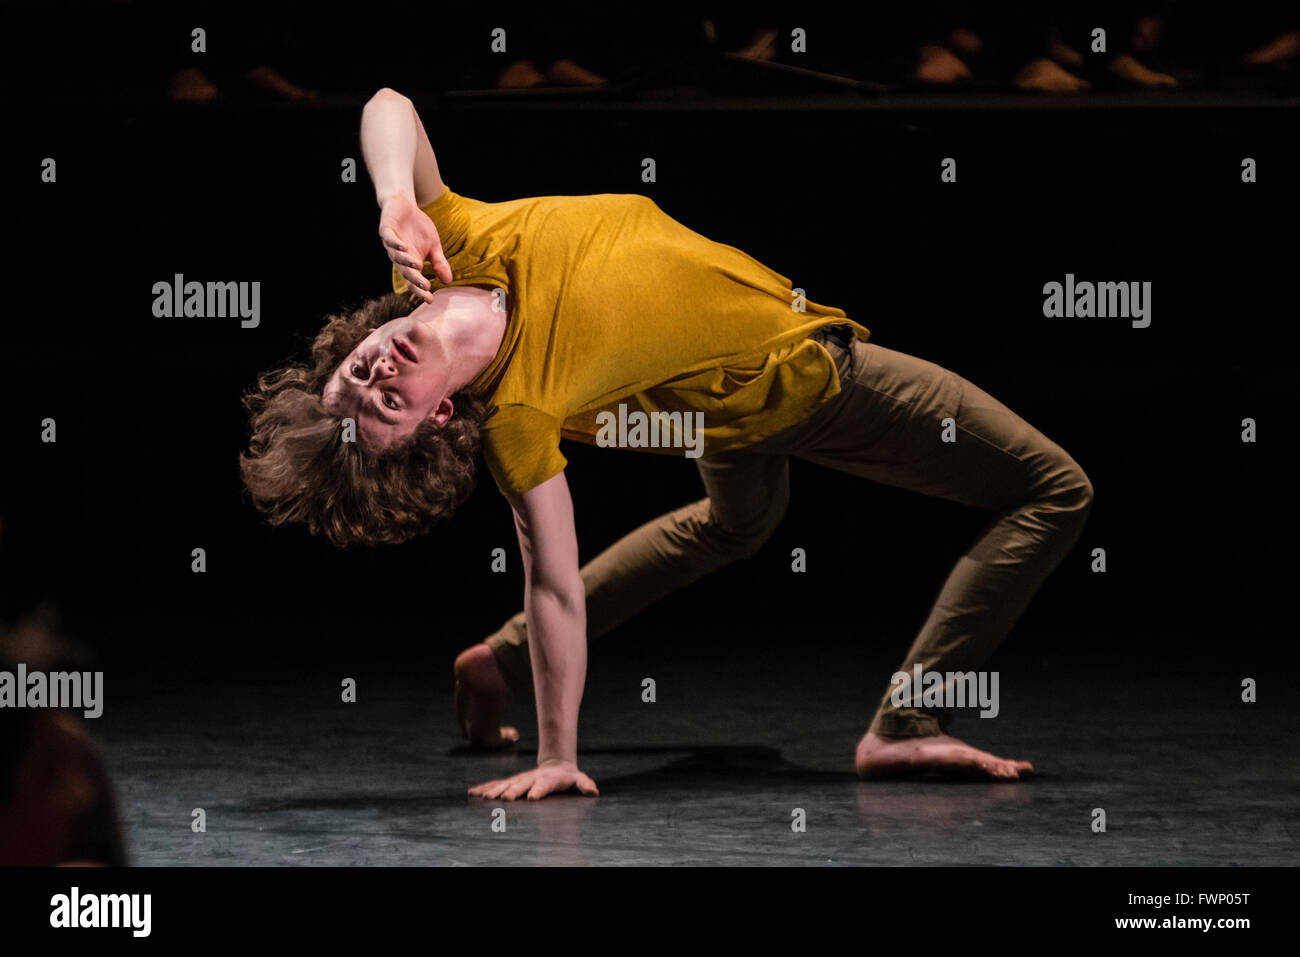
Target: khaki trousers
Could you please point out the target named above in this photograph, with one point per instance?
(887, 424)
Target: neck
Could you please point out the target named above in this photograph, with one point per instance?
(468, 332)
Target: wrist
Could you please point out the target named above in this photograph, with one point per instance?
(555, 761)
(384, 197)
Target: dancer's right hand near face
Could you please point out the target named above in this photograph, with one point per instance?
(410, 237)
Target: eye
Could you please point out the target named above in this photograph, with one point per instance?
(389, 400)
(358, 370)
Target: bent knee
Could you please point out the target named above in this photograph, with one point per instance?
(1072, 492)
(744, 539)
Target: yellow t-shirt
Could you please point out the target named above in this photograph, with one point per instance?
(611, 301)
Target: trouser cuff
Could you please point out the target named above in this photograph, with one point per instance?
(906, 724)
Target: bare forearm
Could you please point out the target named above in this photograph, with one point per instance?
(556, 619)
(397, 151)
(388, 144)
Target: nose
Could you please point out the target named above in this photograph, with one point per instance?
(383, 367)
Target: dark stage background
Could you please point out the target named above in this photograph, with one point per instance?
(840, 194)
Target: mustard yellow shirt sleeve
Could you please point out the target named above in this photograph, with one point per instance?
(521, 446)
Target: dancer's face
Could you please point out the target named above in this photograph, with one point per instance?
(390, 383)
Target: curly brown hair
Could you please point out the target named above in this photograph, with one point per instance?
(298, 468)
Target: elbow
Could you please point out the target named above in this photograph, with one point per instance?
(568, 596)
(386, 94)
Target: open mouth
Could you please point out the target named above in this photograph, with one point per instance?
(407, 352)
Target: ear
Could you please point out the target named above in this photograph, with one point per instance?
(442, 412)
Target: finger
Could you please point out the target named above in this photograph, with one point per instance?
(414, 278)
(441, 268)
(538, 791)
(520, 786)
(481, 790)
(403, 258)
(388, 236)
(416, 282)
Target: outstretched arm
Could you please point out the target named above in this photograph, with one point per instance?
(555, 611)
(405, 174)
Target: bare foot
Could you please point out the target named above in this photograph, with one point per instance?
(935, 64)
(938, 754)
(520, 75)
(191, 85)
(1044, 76)
(1279, 50)
(482, 697)
(568, 73)
(1126, 68)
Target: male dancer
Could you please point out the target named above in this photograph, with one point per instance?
(531, 320)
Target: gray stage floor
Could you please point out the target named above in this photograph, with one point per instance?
(709, 774)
